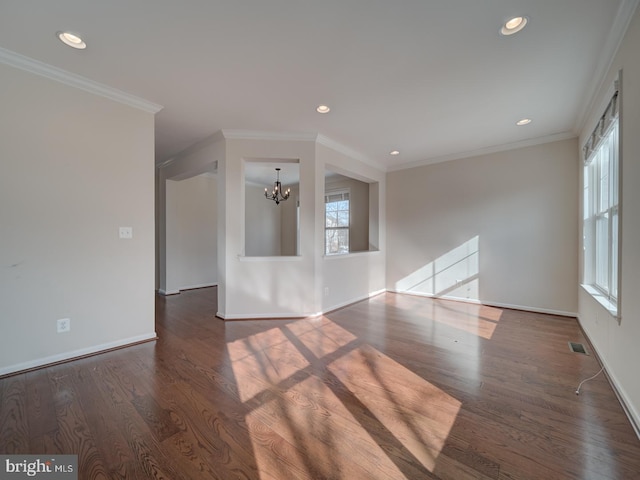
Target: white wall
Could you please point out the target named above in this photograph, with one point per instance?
(617, 343)
(291, 286)
(191, 233)
(288, 285)
(352, 277)
(266, 286)
(497, 228)
(199, 159)
(75, 168)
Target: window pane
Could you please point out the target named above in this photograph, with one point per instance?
(614, 165)
(336, 241)
(586, 204)
(343, 219)
(602, 252)
(337, 223)
(601, 222)
(614, 254)
(604, 178)
(331, 219)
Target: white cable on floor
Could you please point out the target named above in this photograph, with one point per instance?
(587, 379)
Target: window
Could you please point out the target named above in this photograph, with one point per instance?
(336, 232)
(601, 209)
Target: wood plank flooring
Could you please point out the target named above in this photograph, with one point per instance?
(396, 387)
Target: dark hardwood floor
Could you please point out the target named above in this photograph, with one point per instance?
(390, 388)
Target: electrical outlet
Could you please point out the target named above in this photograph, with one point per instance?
(64, 325)
(126, 232)
(326, 291)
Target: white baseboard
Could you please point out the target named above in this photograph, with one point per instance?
(438, 297)
(524, 308)
(83, 352)
(189, 287)
(299, 315)
(262, 316)
(168, 292)
(353, 300)
(202, 285)
(632, 414)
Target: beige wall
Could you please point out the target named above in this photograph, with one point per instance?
(191, 233)
(359, 209)
(289, 223)
(497, 228)
(75, 168)
(270, 229)
(615, 342)
(263, 224)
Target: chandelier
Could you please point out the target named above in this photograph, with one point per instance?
(277, 195)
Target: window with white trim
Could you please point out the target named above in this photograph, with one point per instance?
(601, 209)
(336, 230)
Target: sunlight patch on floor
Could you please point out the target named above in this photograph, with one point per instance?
(320, 427)
(314, 391)
(418, 414)
(325, 339)
(263, 360)
(478, 320)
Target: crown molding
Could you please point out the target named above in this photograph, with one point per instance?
(485, 151)
(27, 64)
(349, 152)
(605, 60)
(166, 163)
(301, 137)
(211, 139)
(274, 136)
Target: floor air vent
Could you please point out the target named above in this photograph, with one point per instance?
(577, 348)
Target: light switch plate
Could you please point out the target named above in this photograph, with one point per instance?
(63, 325)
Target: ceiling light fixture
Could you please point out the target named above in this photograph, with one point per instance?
(323, 109)
(514, 25)
(277, 195)
(524, 121)
(394, 152)
(72, 40)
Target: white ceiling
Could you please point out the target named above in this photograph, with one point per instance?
(263, 174)
(431, 78)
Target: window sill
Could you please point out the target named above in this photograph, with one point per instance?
(607, 304)
(351, 254)
(274, 258)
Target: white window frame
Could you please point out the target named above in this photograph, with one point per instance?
(601, 208)
(344, 194)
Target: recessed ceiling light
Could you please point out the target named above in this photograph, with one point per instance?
(524, 121)
(72, 40)
(514, 25)
(394, 152)
(323, 109)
